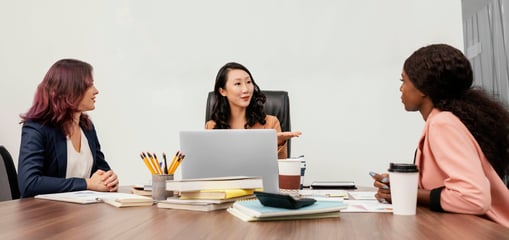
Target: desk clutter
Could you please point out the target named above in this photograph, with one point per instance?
(209, 194)
(161, 167)
(253, 210)
(88, 197)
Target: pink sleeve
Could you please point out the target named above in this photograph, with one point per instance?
(457, 154)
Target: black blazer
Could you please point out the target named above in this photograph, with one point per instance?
(42, 160)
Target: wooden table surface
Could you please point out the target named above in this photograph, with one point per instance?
(43, 219)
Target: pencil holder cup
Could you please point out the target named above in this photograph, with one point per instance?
(159, 186)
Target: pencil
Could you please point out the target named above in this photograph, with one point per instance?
(158, 163)
(177, 164)
(154, 164)
(173, 162)
(145, 160)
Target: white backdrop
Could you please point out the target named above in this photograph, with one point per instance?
(155, 61)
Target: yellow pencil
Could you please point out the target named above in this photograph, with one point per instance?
(145, 160)
(173, 162)
(154, 164)
(159, 168)
(177, 164)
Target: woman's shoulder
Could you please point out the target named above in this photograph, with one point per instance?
(442, 120)
(29, 124)
(271, 120)
(210, 124)
(443, 117)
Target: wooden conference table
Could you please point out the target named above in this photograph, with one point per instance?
(42, 219)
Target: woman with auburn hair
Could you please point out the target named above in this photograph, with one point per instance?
(462, 154)
(60, 151)
(240, 103)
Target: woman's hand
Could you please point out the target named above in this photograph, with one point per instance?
(110, 179)
(382, 182)
(103, 181)
(283, 136)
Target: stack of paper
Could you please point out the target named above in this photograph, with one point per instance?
(143, 190)
(198, 184)
(86, 197)
(208, 194)
(253, 210)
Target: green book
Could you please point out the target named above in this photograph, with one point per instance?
(253, 210)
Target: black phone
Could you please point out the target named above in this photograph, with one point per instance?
(280, 200)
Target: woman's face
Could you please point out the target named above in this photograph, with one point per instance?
(238, 88)
(411, 97)
(88, 101)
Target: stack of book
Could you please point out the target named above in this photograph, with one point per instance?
(208, 194)
(252, 210)
(116, 199)
(142, 190)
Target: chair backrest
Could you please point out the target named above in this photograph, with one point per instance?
(9, 189)
(506, 178)
(277, 104)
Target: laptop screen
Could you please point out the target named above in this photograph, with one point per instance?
(232, 152)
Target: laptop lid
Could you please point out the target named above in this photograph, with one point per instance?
(232, 152)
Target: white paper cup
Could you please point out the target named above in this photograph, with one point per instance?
(289, 175)
(403, 183)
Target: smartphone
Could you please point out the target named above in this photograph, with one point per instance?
(280, 200)
(333, 185)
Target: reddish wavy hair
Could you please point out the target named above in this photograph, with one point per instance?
(58, 95)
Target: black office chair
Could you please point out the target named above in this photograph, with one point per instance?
(277, 104)
(9, 189)
(506, 178)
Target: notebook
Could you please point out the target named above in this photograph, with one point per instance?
(232, 152)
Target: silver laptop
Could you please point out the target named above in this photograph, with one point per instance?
(233, 152)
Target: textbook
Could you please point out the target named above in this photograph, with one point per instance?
(217, 194)
(88, 197)
(141, 190)
(196, 206)
(202, 201)
(198, 184)
(253, 210)
(246, 218)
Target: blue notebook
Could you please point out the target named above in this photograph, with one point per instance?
(253, 208)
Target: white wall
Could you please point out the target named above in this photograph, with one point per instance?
(155, 61)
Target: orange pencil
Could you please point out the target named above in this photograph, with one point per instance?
(145, 160)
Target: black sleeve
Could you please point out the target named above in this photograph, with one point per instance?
(434, 198)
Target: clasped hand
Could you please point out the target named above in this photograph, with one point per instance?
(103, 181)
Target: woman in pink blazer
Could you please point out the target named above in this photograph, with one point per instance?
(462, 154)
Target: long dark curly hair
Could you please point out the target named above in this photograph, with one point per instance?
(445, 75)
(221, 109)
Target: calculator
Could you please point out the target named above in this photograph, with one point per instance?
(280, 200)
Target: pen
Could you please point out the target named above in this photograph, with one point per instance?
(165, 164)
(145, 160)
